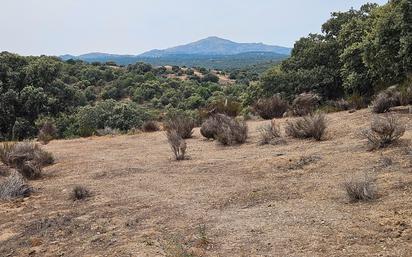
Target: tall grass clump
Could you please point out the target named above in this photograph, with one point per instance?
(385, 100)
(270, 134)
(181, 123)
(26, 157)
(383, 131)
(311, 126)
(14, 186)
(177, 144)
(360, 189)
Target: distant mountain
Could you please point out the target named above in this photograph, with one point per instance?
(217, 46)
(212, 52)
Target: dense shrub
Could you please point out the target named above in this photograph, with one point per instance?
(80, 193)
(273, 107)
(383, 131)
(150, 126)
(210, 127)
(305, 104)
(311, 126)
(225, 129)
(14, 186)
(116, 115)
(181, 123)
(362, 189)
(232, 132)
(177, 144)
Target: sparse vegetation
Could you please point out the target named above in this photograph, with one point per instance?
(14, 186)
(177, 144)
(360, 189)
(383, 131)
(80, 193)
(311, 126)
(273, 107)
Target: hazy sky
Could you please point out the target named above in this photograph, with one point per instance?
(54, 27)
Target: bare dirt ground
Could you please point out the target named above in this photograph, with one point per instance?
(246, 200)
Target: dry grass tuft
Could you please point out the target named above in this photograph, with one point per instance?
(384, 101)
(27, 157)
(312, 126)
(80, 193)
(273, 107)
(177, 144)
(181, 124)
(150, 126)
(383, 131)
(14, 186)
(270, 134)
(361, 189)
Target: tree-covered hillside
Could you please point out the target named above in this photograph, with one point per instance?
(359, 53)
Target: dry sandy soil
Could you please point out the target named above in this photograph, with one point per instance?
(246, 200)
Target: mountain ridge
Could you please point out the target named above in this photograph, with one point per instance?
(211, 52)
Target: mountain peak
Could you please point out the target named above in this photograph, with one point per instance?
(217, 46)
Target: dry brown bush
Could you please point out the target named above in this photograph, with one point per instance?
(270, 134)
(27, 157)
(210, 127)
(385, 100)
(14, 186)
(177, 144)
(232, 132)
(150, 126)
(305, 104)
(383, 131)
(79, 193)
(181, 124)
(360, 189)
(272, 107)
(311, 126)
(225, 129)
(47, 133)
